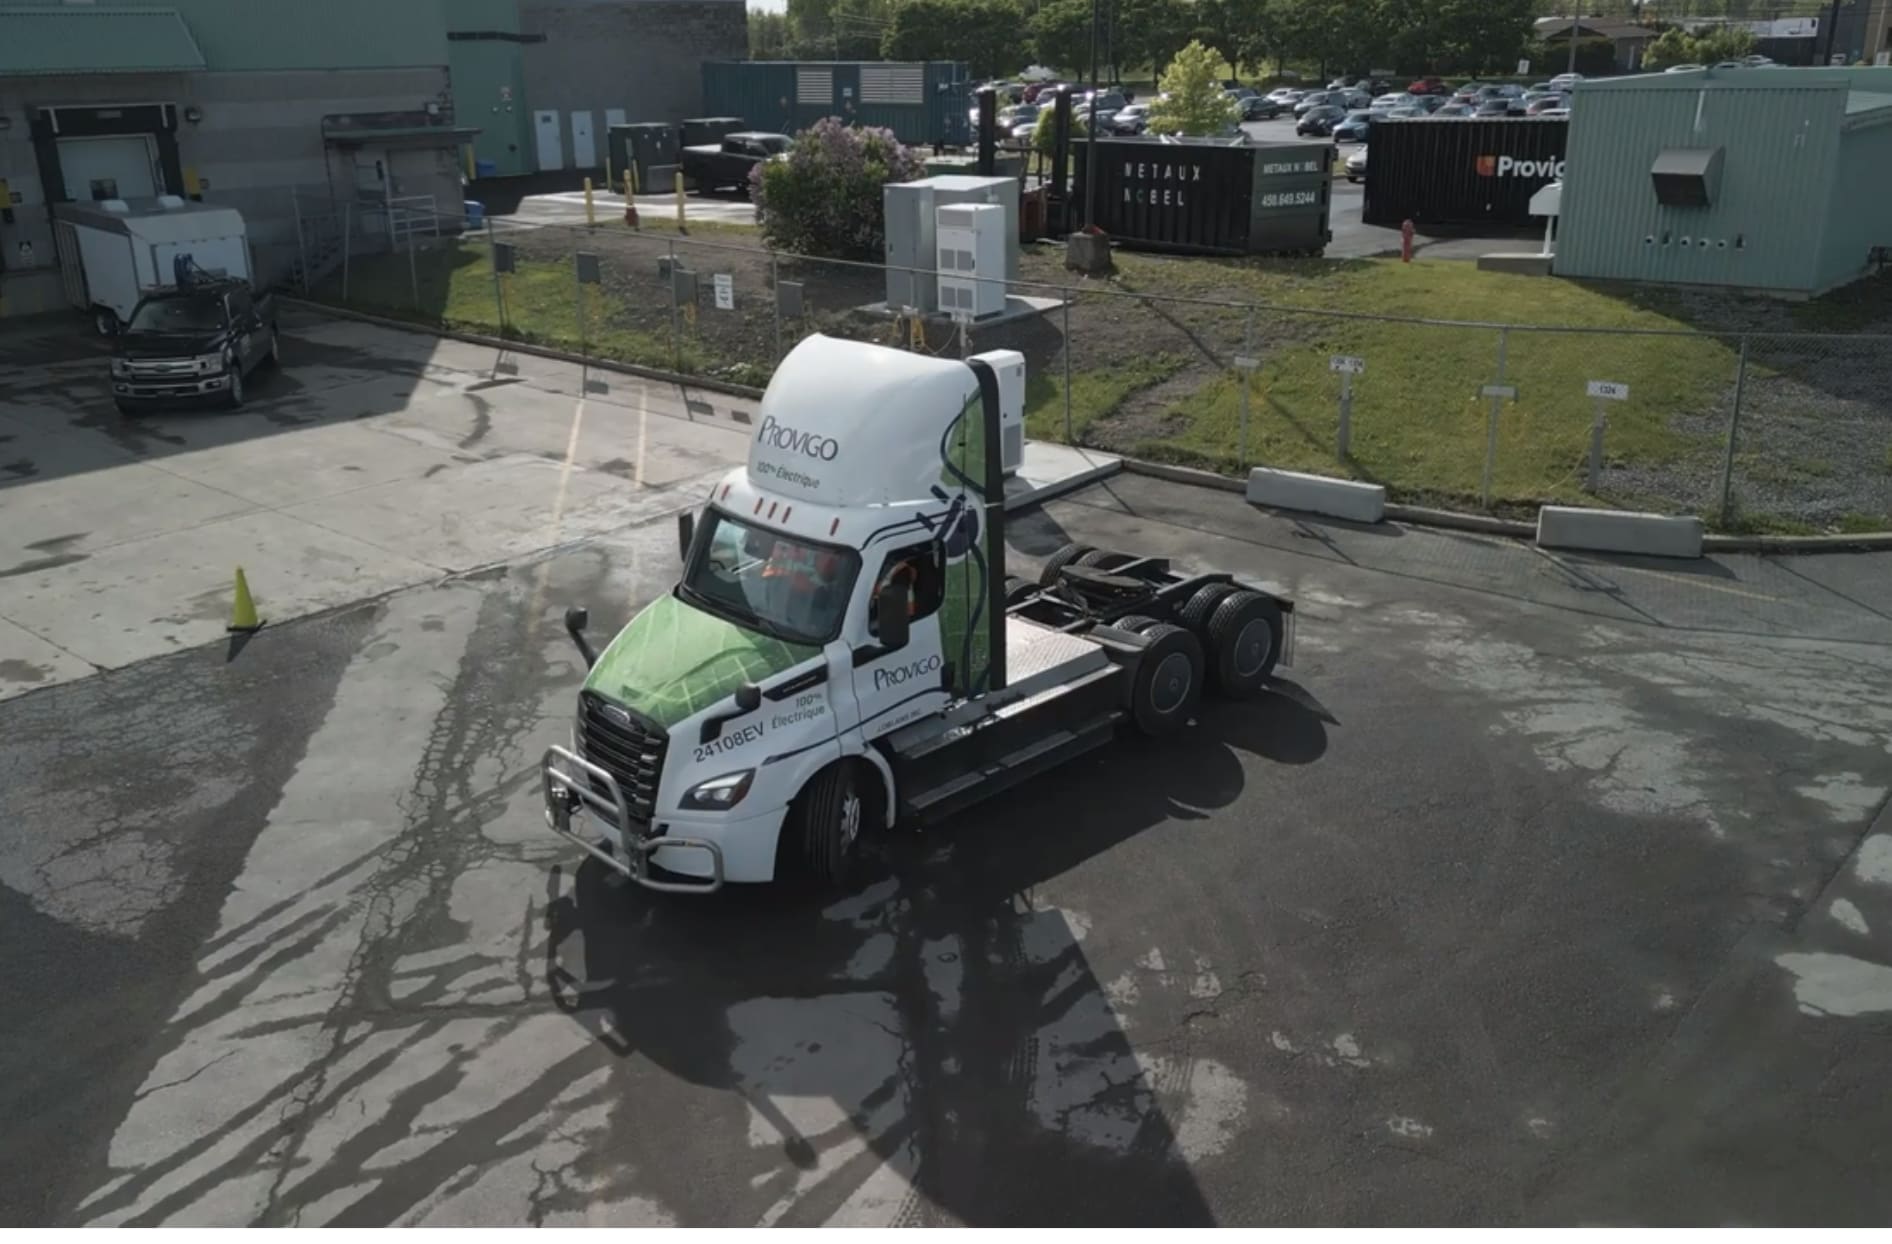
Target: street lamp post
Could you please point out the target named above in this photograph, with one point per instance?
(1090, 131)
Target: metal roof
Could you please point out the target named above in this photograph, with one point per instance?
(1858, 102)
(42, 40)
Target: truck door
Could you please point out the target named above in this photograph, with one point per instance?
(247, 334)
(896, 687)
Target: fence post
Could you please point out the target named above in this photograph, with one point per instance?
(775, 302)
(302, 249)
(1734, 428)
(1343, 436)
(676, 342)
(1596, 446)
(499, 293)
(1248, 354)
(413, 275)
(1069, 437)
(1491, 425)
(348, 219)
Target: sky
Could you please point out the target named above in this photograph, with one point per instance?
(770, 6)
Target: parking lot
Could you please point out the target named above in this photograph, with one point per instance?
(1542, 889)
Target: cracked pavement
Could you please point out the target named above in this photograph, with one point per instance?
(1541, 890)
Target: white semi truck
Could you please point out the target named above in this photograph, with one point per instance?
(844, 652)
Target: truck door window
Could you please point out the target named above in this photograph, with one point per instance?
(239, 305)
(918, 566)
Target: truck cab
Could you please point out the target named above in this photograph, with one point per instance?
(729, 162)
(843, 651)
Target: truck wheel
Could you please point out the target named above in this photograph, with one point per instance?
(234, 397)
(273, 359)
(1244, 643)
(1048, 577)
(823, 830)
(1100, 559)
(1168, 682)
(1017, 589)
(1198, 609)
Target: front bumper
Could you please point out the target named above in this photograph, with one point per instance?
(571, 783)
(170, 388)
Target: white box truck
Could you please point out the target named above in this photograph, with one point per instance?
(845, 653)
(112, 253)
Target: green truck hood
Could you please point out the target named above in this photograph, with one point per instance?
(674, 660)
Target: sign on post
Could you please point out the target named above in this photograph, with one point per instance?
(1347, 365)
(1610, 390)
(1600, 391)
(1247, 362)
(502, 257)
(588, 272)
(1505, 392)
(725, 291)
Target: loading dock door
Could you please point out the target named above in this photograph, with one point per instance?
(584, 148)
(121, 166)
(550, 148)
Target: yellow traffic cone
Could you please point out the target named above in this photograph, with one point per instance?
(243, 619)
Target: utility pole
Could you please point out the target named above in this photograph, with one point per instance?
(1571, 65)
(1832, 33)
(1090, 131)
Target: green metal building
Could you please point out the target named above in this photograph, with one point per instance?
(1772, 180)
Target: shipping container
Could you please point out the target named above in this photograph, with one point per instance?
(922, 102)
(1452, 171)
(649, 147)
(1209, 196)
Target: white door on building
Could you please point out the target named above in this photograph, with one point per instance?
(121, 166)
(551, 149)
(584, 147)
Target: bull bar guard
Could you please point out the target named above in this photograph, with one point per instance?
(565, 794)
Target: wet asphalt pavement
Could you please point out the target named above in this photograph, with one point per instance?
(1542, 890)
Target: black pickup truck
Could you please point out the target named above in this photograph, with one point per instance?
(728, 163)
(193, 345)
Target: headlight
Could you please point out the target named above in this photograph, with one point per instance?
(719, 794)
(209, 362)
(121, 367)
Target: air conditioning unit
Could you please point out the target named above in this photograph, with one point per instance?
(1009, 367)
(971, 242)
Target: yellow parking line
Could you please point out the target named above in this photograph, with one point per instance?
(1696, 581)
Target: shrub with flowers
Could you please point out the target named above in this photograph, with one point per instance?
(824, 198)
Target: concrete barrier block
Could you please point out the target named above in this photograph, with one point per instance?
(1316, 494)
(1610, 531)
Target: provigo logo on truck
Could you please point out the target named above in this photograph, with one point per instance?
(1508, 166)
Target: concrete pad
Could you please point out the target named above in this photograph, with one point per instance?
(490, 511)
(69, 516)
(148, 597)
(28, 662)
(321, 461)
(1317, 494)
(1609, 531)
(1051, 470)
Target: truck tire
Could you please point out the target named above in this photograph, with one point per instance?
(1017, 589)
(1168, 681)
(1244, 643)
(273, 359)
(1101, 559)
(1198, 609)
(1055, 563)
(1136, 622)
(233, 397)
(821, 837)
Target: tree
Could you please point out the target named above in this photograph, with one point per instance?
(1190, 96)
(1044, 136)
(1148, 32)
(987, 34)
(1480, 35)
(825, 198)
(1723, 43)
(768, 35)
(1060, 34)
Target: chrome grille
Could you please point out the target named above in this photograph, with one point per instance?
(626, 745)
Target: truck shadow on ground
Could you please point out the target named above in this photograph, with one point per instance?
(944, 1022)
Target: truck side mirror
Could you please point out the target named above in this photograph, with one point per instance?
(890, 616)
(686, 533)
(748, 697)
(577, 618)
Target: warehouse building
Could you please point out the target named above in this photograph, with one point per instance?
(246, 103)
(544, 80)
(1767, 180)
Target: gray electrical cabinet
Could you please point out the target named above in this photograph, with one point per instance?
(910, 236)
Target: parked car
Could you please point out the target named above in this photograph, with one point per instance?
(1241, 92)
(1407, 113)
(1548, 103)
(1356, 166)
(1355, 99)
(728, 163)
(1319, 121)
(1565, 81)
(1397, 99)
(1352, 128)
(1427, 104)
(1468, 91)
(1683, 68)
(1317, 99)
(1430, 86)
(1343, 83)
(1261, 108)
(1495, 106)
(1286, 94)
(1555, 114)
(191, 345)
(1453, 109)
(1131, 119)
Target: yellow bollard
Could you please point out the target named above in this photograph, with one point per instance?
(591, 213)
(682, 224)
(630, 181)
(471, 171)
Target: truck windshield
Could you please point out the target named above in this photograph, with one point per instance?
(178, 315)
(784, 586)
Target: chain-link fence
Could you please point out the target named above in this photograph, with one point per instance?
(1755, 431)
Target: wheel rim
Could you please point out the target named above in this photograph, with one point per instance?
(1169, 689)
(1252, 646)
(850, 820)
